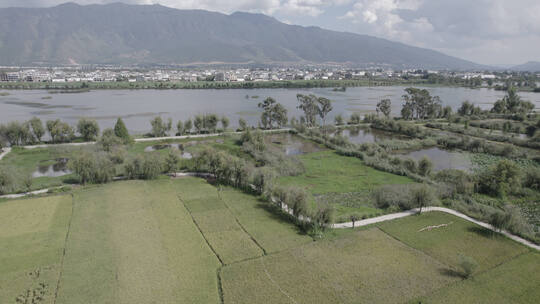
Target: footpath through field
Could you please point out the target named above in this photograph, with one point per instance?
(5, 152)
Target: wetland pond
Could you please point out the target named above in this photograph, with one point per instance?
(442, 159)
(59, 168)
(291, 144)
(361, 135)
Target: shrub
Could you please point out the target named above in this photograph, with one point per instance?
(468, 265)
(338, 120)
(355, 119)
(297, 200)
(532, 178)
(243, 124)
(410, 165)
(263, 179)
(421, 196)
(92, 167)
(109, 140)
(392, 196)
(171, 162)
(500, 220)
(500, 179)
(460, 181)
(146, 166)
(9, 180)
(117, 154)
(323, 217)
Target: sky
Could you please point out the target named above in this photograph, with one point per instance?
(494, 32)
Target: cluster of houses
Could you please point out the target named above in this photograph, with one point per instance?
(12, 74)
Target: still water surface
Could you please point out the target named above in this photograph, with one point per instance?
(137, 107)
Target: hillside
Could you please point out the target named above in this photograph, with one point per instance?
(153, 34)
(531, 66)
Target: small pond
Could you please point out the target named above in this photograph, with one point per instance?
(367, 135)
(442, 159)
(59, 168)
(291, 144)
(174, 146)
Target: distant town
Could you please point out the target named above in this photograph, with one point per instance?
(107, 74)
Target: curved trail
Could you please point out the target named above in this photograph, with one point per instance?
(5, 152)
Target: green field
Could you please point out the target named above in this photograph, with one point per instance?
(358, 268)
(329, 174)
(32, 239)
(512, 282)
(459, 237)
(134, 242)
(186, 241)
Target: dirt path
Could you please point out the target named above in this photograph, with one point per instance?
(4, 152)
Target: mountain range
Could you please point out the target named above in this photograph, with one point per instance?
(531, 66)
(153, 34)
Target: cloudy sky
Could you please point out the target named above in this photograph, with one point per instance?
(483, 31)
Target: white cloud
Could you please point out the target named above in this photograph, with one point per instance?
(456, 26)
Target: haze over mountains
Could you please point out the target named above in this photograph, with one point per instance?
(153, 34)
(531, 66)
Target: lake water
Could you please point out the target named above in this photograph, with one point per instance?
(442, 159)
(137, 107)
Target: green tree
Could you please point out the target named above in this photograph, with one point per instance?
(37, 128)
(243, 124)
(512, 104)
(420, 104)
(425, 166)
(338, 120)
(273, 112)
(60, 131)
(179, 128)
(88, 128)
(121, 131)
(210, 122)
(188, 125)
(308, 104)
(325, 106)
(198, 123)
(13, 132)
(384, 106)
(159, 127)
(224, 123)
(421, 196)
